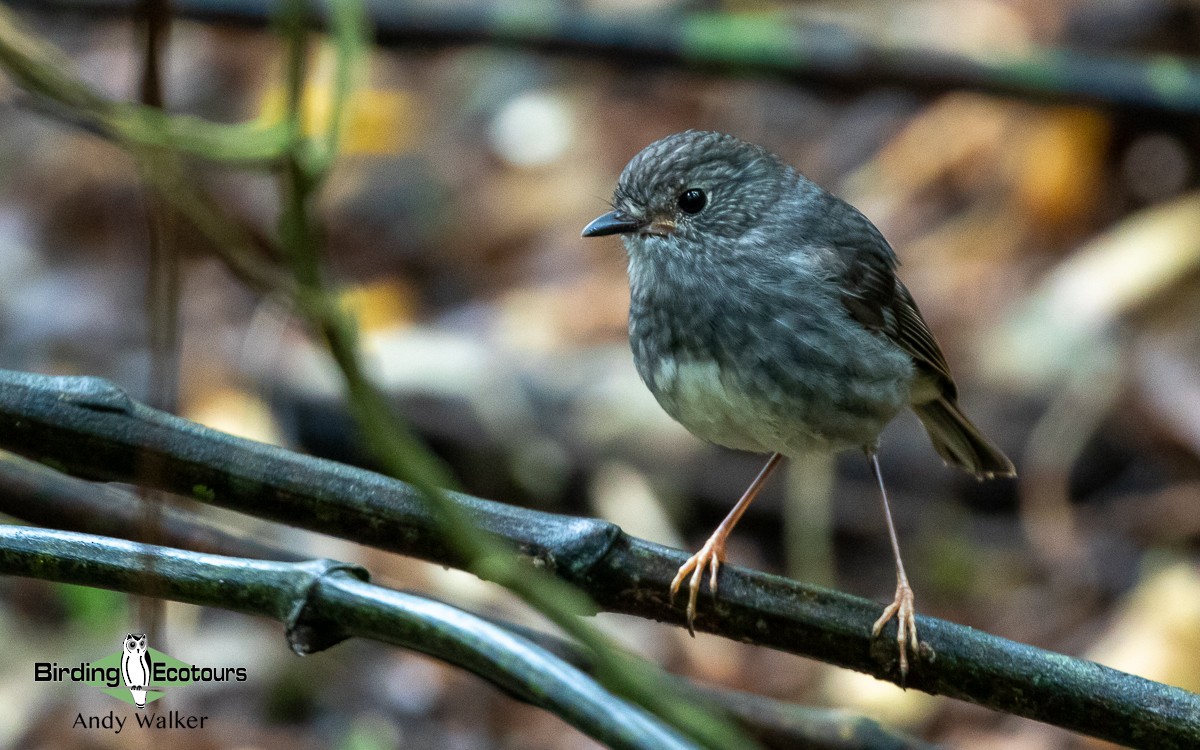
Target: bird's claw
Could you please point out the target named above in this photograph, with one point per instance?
(904, 610)
(710, 556)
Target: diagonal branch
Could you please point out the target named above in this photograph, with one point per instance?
(93, 429)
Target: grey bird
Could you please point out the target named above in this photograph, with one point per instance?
(766, 316)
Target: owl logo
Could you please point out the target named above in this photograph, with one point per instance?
(135, 667)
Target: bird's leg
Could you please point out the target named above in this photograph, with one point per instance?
(712, 554)
(902, 607)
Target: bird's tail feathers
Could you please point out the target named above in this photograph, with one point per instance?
(960, 442)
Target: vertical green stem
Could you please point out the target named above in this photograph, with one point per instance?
(400, 453)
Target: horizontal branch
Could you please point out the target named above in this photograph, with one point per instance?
(816, 53)
(91, 428)
(322, 603)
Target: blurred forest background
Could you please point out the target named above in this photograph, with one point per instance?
(1053, 248)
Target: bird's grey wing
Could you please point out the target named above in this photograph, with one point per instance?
(914, 336)
(876, 298)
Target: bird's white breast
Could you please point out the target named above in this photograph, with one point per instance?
(696, 396)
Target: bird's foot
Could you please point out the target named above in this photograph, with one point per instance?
(710, 556)
(905, 612)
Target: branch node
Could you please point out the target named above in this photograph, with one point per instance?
(575, 547)
(96, 394)
(308, 631)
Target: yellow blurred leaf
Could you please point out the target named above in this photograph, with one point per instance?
(379, 121)
(1061, 167)
(236, 412)
(381, 305)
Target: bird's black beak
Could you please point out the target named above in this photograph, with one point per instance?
(613, 222)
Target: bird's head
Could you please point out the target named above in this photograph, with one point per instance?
(693, 187)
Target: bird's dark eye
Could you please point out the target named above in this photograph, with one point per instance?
(692, 201)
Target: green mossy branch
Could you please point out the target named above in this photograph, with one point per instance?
(749, 43)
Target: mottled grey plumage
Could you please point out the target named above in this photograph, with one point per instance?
(772, 320)
(766, 316)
